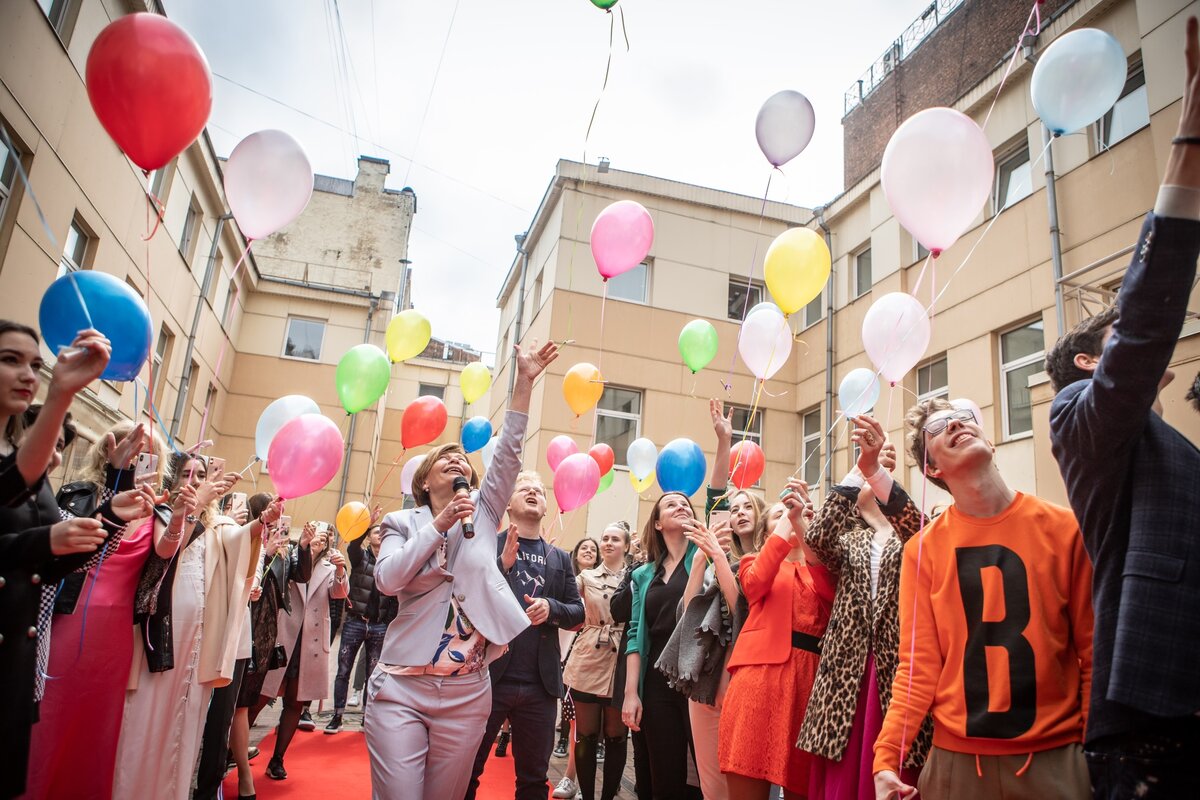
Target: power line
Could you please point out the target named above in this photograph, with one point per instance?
(433, 86)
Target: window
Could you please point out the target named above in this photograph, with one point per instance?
(218, 264)
(632, 285)
(430, 390)
(231, 297)
(1020, 356)
(744, 428)
(75, 249)
(8, 175)
(810, 452)
(160, 181)
(1129, 114)
(739, 302)
(921, 251)
(814, 312)
(619, 419)
(933, 380)
(210, 406)
(61, 14)
(162, 362)
(1014, 179)
(193, 379)
(862, 272)
(304, 338)
(191, 227)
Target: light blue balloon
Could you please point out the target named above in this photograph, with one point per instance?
(476, 433)
(858, 392)
(681, 467)
(1078, 79)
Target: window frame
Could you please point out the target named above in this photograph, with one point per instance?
(287, 328)
(1005, 161)
(645, 300)
(752, 286)
(808, 323)
(63, 20)
(1135, 71)
(6, 190)
(1005, 367)
(192, 221)
(66, 263)
(162, 364)
(859, 290)
(932, 392)
(423, 390)
(232, 295)
(619, 458)
(815, 439)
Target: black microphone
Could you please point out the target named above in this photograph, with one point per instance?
(462, 488)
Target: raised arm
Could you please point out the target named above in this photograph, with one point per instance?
(723, 429)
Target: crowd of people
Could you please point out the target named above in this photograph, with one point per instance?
(855, 649)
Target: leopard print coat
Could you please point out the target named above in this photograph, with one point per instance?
(841, 539)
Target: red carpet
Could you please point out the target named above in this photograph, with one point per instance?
(322, 767)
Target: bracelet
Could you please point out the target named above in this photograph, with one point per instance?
(172, 537)
(1186, 140)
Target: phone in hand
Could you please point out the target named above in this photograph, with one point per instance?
(285, 525)
(237, 504)
(216, 468)
(718, 516)
(147, 465)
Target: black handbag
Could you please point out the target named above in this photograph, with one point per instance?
(278, 658)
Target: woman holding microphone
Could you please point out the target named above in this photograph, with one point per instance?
(430, 695)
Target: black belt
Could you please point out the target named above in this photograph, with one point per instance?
(806, 641)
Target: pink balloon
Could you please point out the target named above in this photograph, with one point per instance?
(895, 334)
(406, 474)
(305, 455)
(765, 340)
(971, 405)
(621, 237)
(268, 182)
(559, 448)
(576, 481)
(937, 174)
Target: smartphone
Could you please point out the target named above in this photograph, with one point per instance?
(237, 503)
(216, 468)
(324, 528)
(147, 465)
(717, 516)
(285, 525)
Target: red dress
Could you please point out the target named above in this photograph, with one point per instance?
(74, 747)
(765, 704)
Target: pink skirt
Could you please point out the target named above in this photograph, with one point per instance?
(852, 777)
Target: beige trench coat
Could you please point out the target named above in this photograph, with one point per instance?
(310, 611)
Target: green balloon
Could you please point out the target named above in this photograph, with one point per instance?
(698, 344)
(362, 377)
(605, 481)
(604, 5)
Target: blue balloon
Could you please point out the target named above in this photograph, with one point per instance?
(115, 310)
(858, 391)
(681, 467)
(476, 433)
(1078, 79)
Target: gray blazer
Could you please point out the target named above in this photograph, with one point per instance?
(408, 567)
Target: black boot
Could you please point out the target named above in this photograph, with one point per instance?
(275, 770)
(585, 764)
(614, 765)
(502, 744)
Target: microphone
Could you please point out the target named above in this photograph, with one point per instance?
(462, 488)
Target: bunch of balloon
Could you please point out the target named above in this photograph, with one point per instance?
(765, 340)
(424, 420)
(641, 457)
(277, 414)
(474, 380)
(1078, 79)
(476, 433)
(698, 344)
(94, 299)
(407, 335)
(858, 392)
(895, 334)
(353, 520)
(604, 457)
(796, 268)
(559, 448)
(305, 455)
(576, 481)
(746, 463)
(150, 86)
(681, 467)
(582, 387)
(362, 377)
(784, 126)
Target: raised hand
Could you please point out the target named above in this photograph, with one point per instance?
(82, 363)
(531, 364)
(722, 423)
(697, 533)
(723, 530)
(76, 535)
(870, 438)
(121, 455)
(376, 515)
(887, 457)
(133, 504)
(799, 506)
(508, 557)
(308, 534)
(185, 502)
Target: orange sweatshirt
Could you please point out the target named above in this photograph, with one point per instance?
(1003, 634)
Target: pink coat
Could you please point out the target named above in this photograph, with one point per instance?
(310, 609)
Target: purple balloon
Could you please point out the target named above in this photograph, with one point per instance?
(784, 126)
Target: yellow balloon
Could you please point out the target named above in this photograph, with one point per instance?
(353, 519)
(475, 379)
(796, 268)
(643, 484)
(407, 335)
(582, 387)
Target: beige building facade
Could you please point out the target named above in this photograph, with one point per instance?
(277, 325)
(994, 319)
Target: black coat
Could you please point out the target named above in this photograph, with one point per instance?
(364, 600)
(1132, 481)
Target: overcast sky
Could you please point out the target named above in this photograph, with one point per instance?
(478, 139)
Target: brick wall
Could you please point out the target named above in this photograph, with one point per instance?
(961, 52)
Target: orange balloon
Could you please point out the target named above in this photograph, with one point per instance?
(582, 387)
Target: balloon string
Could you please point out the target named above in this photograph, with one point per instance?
(762, 212)
(160, 210)
(150, 361)
(1034, 14)
(921, 275)
(225, 336)
(154, 410)
(912, 636)
(612, 21)
(386, 475)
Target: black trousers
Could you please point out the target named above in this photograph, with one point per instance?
(664, 718)
(530, 710)
(214, 746)
(1158, 764)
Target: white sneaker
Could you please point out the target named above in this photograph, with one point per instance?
(566, 789)
(355, 698)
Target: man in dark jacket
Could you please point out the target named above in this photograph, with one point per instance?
(527, 680)
(367, 616)
(1132, 481)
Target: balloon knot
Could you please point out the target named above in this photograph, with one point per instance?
(892, 384)
(935, 253)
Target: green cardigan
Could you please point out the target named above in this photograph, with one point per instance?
(635, 642)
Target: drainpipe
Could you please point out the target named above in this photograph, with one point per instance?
(354, 417)
(512, 372)
(1055, 233)
(205, 285)
(829, 353)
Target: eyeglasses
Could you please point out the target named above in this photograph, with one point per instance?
(939, 424)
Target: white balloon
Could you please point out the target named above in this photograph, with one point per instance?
(406, 474)
(937, 174)
(276, 415)
(489, 451)
(971, 405)
(268, 181)
(641, 457)
(784, 126)
(765, 340)
(895, 334)
(1078, 79)
(858, 392)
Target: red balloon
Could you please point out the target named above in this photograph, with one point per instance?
(603, 455)
(423, 421)
(150, 87)
(746, 464)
